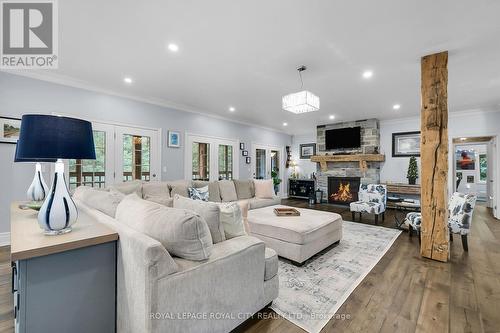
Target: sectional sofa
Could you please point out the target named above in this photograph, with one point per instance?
(160, 292)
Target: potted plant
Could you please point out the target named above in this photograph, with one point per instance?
(276, 180)
(412, 171)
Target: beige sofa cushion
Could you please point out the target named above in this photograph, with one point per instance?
(134, 186)
(182, 232)
(158, 192)
(213, 189)
(264, 188)
(255, 203)
(179, 187)
(103, 201)
(227, 191)
(209, 211)
(244, 189)
(231, 220)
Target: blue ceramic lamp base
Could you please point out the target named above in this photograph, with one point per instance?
(58, 212)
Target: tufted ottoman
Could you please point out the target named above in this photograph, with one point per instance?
(295, 237)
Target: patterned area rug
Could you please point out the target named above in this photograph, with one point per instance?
(310, 295)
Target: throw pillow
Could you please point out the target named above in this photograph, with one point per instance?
(158, 192)
(227, 191)
(105, 202)
(179, 187)
(210, 211)
(126, 188)
(198, 193)
(231, 220)
(213, 189)
(264, 188)
(182, 232)
(244, 188)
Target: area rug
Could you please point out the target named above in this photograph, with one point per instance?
(310, 295)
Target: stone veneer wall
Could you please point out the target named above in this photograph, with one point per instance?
(370, 144)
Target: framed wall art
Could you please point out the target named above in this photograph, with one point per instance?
(406, 144)
(9, 129)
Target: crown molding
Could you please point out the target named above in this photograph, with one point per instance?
(74, 83)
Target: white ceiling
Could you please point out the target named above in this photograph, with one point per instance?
(244, 54)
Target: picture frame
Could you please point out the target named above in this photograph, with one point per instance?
(9, 129)
(307, 150)
(242, 146)
(465, 159)
(248, 160)
(244, 153)
(406, 144)
(174, 139)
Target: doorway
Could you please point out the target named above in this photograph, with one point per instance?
(123, 153)
(474, 168)
(267, 163)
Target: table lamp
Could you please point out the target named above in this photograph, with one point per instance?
(56, 138)
(38, 189)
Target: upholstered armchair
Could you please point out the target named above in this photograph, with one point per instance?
(372, 200)
(461, 207)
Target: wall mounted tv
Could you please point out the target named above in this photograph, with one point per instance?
(341, 138)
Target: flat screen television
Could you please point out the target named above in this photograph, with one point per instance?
(349, 137)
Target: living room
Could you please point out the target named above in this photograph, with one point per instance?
(249, 167)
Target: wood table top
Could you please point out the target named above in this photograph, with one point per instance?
(27, 239)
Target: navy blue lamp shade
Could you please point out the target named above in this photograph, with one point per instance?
(53, 137)
(17, 158)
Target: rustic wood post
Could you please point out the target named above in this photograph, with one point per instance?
(434, 157)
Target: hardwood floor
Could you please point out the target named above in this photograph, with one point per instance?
(403, 293)
(407, 293)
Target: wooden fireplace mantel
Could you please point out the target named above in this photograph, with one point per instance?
(361, 158)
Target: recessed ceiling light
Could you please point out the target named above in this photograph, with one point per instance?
(463, 139)
(285, 124)
(396, 106)
(331, 117)
(232, 109)
(173, 47)
(367, 74)
(128, 80)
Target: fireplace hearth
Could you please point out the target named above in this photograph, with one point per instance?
(343, 190)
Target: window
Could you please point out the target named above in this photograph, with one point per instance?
(225, 162)
(90, 172)
(201, 161)
(260, 163)
(483, 167)
(208, 158)
(136, 157)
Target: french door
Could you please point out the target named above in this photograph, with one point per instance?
(210, 158)
(267, 161)
(122, 154)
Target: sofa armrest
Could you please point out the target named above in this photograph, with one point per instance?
(141, 261)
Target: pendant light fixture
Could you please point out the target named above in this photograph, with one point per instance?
(302, 101)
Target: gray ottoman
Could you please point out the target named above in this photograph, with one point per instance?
(295, 237)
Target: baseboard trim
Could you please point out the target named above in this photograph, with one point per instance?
(4, 238)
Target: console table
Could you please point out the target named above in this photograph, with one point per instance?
(300, 188)
(401, 190)
(64, 283)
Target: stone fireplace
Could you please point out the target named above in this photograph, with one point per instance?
(370, 144)
(343, 190)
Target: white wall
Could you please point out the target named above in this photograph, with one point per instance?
(21, 95)
(304, 167)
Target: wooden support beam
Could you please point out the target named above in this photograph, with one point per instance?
(434, 157)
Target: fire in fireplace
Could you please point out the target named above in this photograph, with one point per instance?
(343, 190)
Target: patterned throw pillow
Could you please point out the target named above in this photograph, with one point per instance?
(200, 193)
